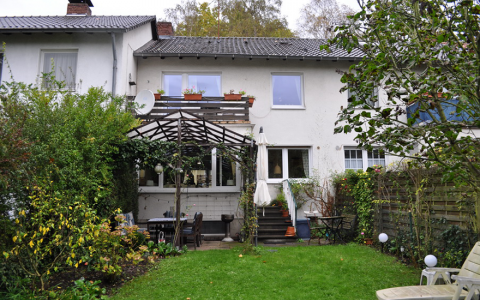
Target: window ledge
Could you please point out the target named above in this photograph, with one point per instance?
(282, 107)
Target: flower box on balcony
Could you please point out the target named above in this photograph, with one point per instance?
(233, 96)
(193, 96)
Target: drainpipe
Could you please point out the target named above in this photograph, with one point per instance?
(114, 79)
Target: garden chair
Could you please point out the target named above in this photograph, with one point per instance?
(317, 230)
(349, 226)
(466, 284)
(194, 231)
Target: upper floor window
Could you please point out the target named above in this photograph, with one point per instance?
(287, 90)
(359, 159)
(62, 65)
(174, 84)
(372, 100)
(286, 163)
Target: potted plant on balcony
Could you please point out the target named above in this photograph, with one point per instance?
(251, 98)
(233, 96)
(193, 94)
(158, 94)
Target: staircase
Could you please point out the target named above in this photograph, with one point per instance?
(272, 227)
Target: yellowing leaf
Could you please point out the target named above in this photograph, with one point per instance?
(14, 239)
(31, 244)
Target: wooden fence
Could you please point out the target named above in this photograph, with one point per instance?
(411, 201)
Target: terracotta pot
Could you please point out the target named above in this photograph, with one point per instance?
(285, 213)
(368, 241)
(157, 96)
(233, 96)
(250, 102)
(192, 96)
(290, 231)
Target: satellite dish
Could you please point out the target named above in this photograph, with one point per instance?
(145, 101)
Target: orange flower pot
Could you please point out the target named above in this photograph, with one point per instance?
(290, 231)
(232, 96)
(250, 102)
(157, 96)
(192, 96)
(285, 213)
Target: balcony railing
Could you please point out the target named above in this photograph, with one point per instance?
(209, 108)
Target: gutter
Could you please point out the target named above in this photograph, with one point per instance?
(114, 75)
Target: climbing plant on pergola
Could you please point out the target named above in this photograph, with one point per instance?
(180, 140)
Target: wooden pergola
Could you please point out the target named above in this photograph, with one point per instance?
(184, 127)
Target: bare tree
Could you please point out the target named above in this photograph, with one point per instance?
(319, 18)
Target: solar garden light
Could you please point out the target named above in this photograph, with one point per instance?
(402, 249)
(430, 260)
(158, 169)
(383, 238)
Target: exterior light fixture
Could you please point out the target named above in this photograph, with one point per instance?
(277, 170)
(179, 170)
(430, 260)
(158, 169)
(383, 238)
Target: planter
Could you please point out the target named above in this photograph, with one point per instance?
(192, 96)
(157, 96)
(250, 102)
(285, 213)
(303, 231)
(368, 241)
(233, 96)
(290, 231)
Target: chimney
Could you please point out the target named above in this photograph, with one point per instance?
(165, 29)
(79, 7)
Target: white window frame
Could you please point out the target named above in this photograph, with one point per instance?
(42, 65)
(374, 104)
(284, 164)
(1, 66)
(364, 157)
(213, 189)
(302, 91)
(185, 84)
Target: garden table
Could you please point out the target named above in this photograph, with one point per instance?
(333, 227)
(164, 224)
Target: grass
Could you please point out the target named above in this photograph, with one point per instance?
(325, 272)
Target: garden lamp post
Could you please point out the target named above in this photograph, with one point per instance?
(402, 249)
(158, 169)
(383, 238)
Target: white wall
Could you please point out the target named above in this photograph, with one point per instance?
(95, 56)
(94, 63)
(312, 127)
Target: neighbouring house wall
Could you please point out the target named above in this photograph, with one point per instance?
(94, 62)
(127, 64)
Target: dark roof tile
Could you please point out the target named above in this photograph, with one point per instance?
(243, 47)
(73, 23)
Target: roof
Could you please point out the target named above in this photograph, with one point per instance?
(247, 47)
(74, 23)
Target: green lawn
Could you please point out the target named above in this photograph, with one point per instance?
(324, 272)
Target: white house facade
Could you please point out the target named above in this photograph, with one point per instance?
(296, 87)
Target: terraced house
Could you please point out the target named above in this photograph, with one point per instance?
(296, 88)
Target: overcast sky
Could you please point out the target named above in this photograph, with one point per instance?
(290, 8)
